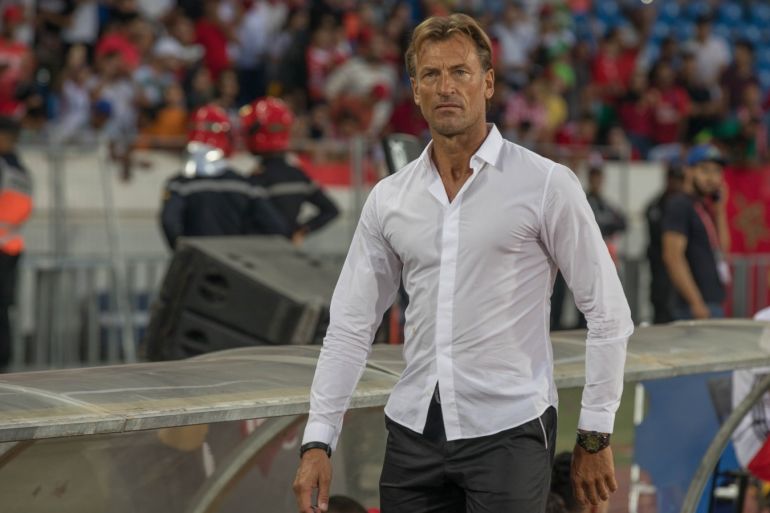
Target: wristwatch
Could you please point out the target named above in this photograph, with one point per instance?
(593, 441)
(315, 445)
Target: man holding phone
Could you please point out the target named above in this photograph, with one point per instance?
(696, 236)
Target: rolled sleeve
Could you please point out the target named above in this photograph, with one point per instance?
(575, 243)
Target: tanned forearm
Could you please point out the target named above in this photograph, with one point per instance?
(681, 277)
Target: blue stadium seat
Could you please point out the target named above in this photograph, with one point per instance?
(695, 9)
(763, 67)
(760, 12)
(751, 33)
(762, 57)
(611, 20)
(722, 31)
(606, 9)
(660, 30)
(730, 13)
(669, 11)
(764, 80)
(684, 31)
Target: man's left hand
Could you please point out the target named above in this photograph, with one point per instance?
(593, 475)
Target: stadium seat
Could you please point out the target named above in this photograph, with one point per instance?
(723, 31)
(763, 58)
(669, 11)
(605, 9)
(695, 9)
(759, 12)
(730, 13)
(764, 79)
(660, 30)
(752, 33)
(684, 31)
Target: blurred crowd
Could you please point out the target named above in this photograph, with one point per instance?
(640, 79)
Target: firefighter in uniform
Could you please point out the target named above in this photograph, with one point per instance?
(15, 208)
(209, 197)
(266, 125)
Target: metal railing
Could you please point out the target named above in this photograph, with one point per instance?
(69, 313)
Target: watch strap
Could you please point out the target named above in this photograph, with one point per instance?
(315, 445)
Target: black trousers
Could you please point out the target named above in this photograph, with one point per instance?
(8, 270)
(508, 472)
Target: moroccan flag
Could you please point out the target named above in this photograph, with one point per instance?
(748, 209)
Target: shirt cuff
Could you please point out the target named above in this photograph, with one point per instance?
(599, 421)
(320, 432)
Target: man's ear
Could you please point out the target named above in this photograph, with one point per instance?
(489, 84)
(414, 91)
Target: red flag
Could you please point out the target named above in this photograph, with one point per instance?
(748, 209)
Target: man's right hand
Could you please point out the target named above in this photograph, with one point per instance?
(315, 472)
(700, 311)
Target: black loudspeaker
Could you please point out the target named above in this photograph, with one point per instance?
(224, 292)
(400, 150)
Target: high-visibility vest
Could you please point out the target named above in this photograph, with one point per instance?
(15, 206)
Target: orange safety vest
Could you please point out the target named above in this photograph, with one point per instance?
(15, 206)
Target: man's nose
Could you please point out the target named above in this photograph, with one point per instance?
(446, 85)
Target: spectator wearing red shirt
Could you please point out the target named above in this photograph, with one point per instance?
(670, 106)
(212, 34)
(526, 115)
(636, 114)
(613, 68)
(323, 55)
(16, 63)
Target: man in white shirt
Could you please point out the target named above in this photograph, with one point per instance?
(477, 227)
(712, 55)
(518, 36)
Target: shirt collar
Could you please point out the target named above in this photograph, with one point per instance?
(488, 152)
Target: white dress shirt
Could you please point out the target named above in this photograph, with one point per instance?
(479, 273)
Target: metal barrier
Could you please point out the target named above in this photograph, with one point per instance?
(69, 313)
(748, 293)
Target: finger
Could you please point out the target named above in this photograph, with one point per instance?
(612, 484)
(304, 498)
(323, 493)
(590, 492)
(580, 495)
(304, 495)
(601, 490)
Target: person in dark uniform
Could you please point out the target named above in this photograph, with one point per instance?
(266, 125)
(661, 292)
(210, 198)
(15, 208)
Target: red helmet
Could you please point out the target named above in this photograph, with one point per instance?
(266, 125)
(211, 126)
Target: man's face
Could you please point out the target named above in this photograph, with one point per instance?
(450, 86)
(707, 178)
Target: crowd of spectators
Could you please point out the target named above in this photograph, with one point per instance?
(640, 79)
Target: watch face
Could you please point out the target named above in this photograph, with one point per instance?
(592, 443)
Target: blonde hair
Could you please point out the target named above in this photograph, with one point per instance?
(441, 28)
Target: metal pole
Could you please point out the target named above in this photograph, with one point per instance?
(58, 210)
(119, 289)
(719, 443)
(230, 470)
